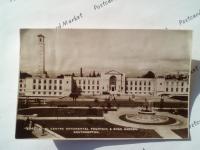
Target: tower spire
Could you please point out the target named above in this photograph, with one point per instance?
(42, 53)
(81, 72)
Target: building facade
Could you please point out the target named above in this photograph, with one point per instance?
(111, 82)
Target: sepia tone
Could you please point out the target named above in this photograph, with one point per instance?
(104, 83)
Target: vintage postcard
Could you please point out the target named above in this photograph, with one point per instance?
(104, 84)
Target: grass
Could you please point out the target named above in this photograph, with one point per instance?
(183, 98)
(182, 132)
(62, 112)
(182, 112)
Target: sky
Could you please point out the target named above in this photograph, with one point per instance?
(133, 52)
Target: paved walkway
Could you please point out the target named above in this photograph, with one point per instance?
(48, 134)
(38, 133)
(167, 133)
(164, 131)
(24, 117)
(72, 107)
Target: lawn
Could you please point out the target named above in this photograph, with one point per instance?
(62, 112)
(183, 98)
(182, 132)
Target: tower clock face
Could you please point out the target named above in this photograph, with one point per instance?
(41, 38)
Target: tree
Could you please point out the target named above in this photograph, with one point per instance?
(60, 76)
(98, 74)
(161, 103)
(181, 77)
(76, 91)
(24, 75)
(46, 74)
(149, 74)
(93, 74)
(81, 72)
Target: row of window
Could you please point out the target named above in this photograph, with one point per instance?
(176, 90)
(21, 85)
(49, 81)
(175, 83)
(46, 93)
(21, 80)
(22, 90)
(140, 88)
(88, 87)
(129, 86)
(139, 82)
(45, 87)
(90, 92)
(88, 82)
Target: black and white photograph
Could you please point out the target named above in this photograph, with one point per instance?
(104, 84)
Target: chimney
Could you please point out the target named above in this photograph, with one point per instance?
(81, 72)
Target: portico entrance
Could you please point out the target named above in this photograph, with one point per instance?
(112, 83)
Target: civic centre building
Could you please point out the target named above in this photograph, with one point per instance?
(110, 82)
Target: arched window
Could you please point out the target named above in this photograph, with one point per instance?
(113, 80)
